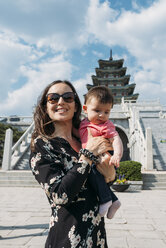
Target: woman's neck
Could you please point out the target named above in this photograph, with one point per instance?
(64, 130)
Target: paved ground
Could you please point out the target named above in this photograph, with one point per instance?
(140, 223)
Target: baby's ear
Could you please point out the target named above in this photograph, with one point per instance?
(85, 109)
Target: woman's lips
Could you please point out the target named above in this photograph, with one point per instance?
(61, 110)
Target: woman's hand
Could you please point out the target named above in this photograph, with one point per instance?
(97, 145)
(107, 170)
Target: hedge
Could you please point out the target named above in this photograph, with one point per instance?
(130, 169)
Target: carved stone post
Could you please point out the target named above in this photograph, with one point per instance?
(149, 151)
(7, 152)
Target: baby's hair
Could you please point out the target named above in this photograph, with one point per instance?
(101, 93)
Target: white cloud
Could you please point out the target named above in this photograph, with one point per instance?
(59, 24)
(80, 86)
(98, 54)
(31, 36)
(135, 5)
(98, 17)
(39, 76)
(13, 54)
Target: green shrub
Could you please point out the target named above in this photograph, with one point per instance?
(130, 169)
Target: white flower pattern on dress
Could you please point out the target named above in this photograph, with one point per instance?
(85, 217)
(46, 187)
(95, 222)
(34, 160)
(56, 179)
(89, 242)
(74, 239)
(95, 219)
(82, 168)
(63, 199)
(54, 217)
(52, 220)
(69, 164)
(100, 241)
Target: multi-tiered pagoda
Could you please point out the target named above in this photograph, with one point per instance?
(111, 73)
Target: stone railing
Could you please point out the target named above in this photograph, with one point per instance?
(12, 155)
(140, 145)
(143, 149)
(162, 115)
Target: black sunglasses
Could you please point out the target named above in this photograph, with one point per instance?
(54, 97)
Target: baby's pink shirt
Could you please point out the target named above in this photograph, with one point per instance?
(107, 130)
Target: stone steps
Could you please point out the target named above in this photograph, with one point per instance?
(154, 180)
(18, 179)
(23, 163)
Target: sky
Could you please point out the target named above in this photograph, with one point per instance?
(45, 40)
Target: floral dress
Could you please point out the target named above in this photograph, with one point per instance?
(74, 222)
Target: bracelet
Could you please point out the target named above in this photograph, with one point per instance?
(89, 155)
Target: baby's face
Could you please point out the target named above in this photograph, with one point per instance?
(97, 113)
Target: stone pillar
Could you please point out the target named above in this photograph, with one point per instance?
(7, 152)
(149, 151)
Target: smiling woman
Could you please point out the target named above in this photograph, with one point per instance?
(61, 105)
(51, 101)
(63, 172)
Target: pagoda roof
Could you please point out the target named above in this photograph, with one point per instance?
(133, 97)
(97, 80)
(117, 99)
(126, 88)
(119, 71)
(118, 63)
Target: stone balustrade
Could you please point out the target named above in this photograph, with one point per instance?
(140, 144)
(13, 154)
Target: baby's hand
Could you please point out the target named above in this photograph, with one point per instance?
(115, 160)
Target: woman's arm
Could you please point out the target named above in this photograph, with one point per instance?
(47, 165)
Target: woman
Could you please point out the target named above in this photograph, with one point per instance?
(63, 173)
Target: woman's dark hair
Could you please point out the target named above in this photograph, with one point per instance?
(101, 93)
(43, 124)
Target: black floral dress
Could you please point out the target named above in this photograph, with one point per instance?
(74, 222)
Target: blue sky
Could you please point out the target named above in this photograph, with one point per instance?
(45, 40)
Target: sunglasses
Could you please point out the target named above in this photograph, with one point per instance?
(54, 97)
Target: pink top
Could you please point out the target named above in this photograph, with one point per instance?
(107, 130)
